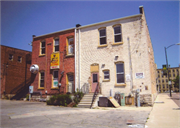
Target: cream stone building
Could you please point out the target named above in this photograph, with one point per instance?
(118, 55)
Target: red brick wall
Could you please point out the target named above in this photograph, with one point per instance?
(14, 75)
(66, 63)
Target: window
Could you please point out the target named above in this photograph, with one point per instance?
(43, 47)
(42, 75)
(117, 34)
(55, 78)
(19, 59)
(106, 75)
(102, 36)
(119, 73)
(11, 57)
(56, 45)
(95, 78)
(70, 46)
(162, 81)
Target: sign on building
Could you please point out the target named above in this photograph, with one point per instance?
(139, 75)
(55, 60)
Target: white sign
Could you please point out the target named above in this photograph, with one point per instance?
(128, 78)
(139, 75)
(30, 89)
(55, 83)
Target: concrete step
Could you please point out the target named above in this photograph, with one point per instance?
(86, 101)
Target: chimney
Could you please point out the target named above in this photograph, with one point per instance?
(78, 25)
(33, 36)
(141, 9)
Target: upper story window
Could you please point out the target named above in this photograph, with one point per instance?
(56, 45)
(11, 57)
(117, 34)
(102, 36)
(120, 73)
(19, 59)
(70, 46)
(42, 47)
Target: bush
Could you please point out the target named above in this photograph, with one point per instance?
(78, 96)
(63, 100)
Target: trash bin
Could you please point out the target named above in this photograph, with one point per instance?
(103, 102)
(122, 99)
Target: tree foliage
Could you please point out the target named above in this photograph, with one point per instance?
(176, 82)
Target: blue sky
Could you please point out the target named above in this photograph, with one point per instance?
(22, 19)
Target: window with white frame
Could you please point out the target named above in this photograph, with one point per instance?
(117, 34)
(43, 47)
(56, 44)
(120, 73)
(70, 46)
(41, 75)
(55, 78)
(102, 36)
(106, 75)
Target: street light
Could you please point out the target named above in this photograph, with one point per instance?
(168, 65)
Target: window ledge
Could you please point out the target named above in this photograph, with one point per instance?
(104, 45)
(118, 85)
(106, 80)
(54, 88)
(40, 87)
(42, 55)
(118, 43)
(70, 55)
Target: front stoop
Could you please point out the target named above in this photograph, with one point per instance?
(86, 101)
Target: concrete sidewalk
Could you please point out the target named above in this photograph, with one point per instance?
(165, 113)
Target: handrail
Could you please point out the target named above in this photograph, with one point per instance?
(95, 94)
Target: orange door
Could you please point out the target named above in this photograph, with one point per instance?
(94, 77)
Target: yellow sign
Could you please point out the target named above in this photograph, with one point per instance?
(55, 60)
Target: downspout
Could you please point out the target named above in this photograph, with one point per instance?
(130, 66)
(75, 86)
(79, 57)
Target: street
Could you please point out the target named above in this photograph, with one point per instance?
(27, 114)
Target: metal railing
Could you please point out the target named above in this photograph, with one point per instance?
(85, 88)
(95, 94)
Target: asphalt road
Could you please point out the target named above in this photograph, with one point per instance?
(24, 114)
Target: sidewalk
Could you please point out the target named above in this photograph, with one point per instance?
(165, 113)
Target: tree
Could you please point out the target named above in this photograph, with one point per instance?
(176, 83)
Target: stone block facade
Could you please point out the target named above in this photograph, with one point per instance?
(134, 51)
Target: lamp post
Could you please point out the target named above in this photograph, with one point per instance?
(168, 65)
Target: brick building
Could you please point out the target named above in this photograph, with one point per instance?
(54, 55)
(162, 80)
(119, 55)
(15, 74)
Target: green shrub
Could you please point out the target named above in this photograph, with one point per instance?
(61, 99)
(78, 96)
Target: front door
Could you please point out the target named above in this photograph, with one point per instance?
(94, 77)
(70, 83)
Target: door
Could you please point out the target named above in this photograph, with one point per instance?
(94, 81)
(70, 83)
